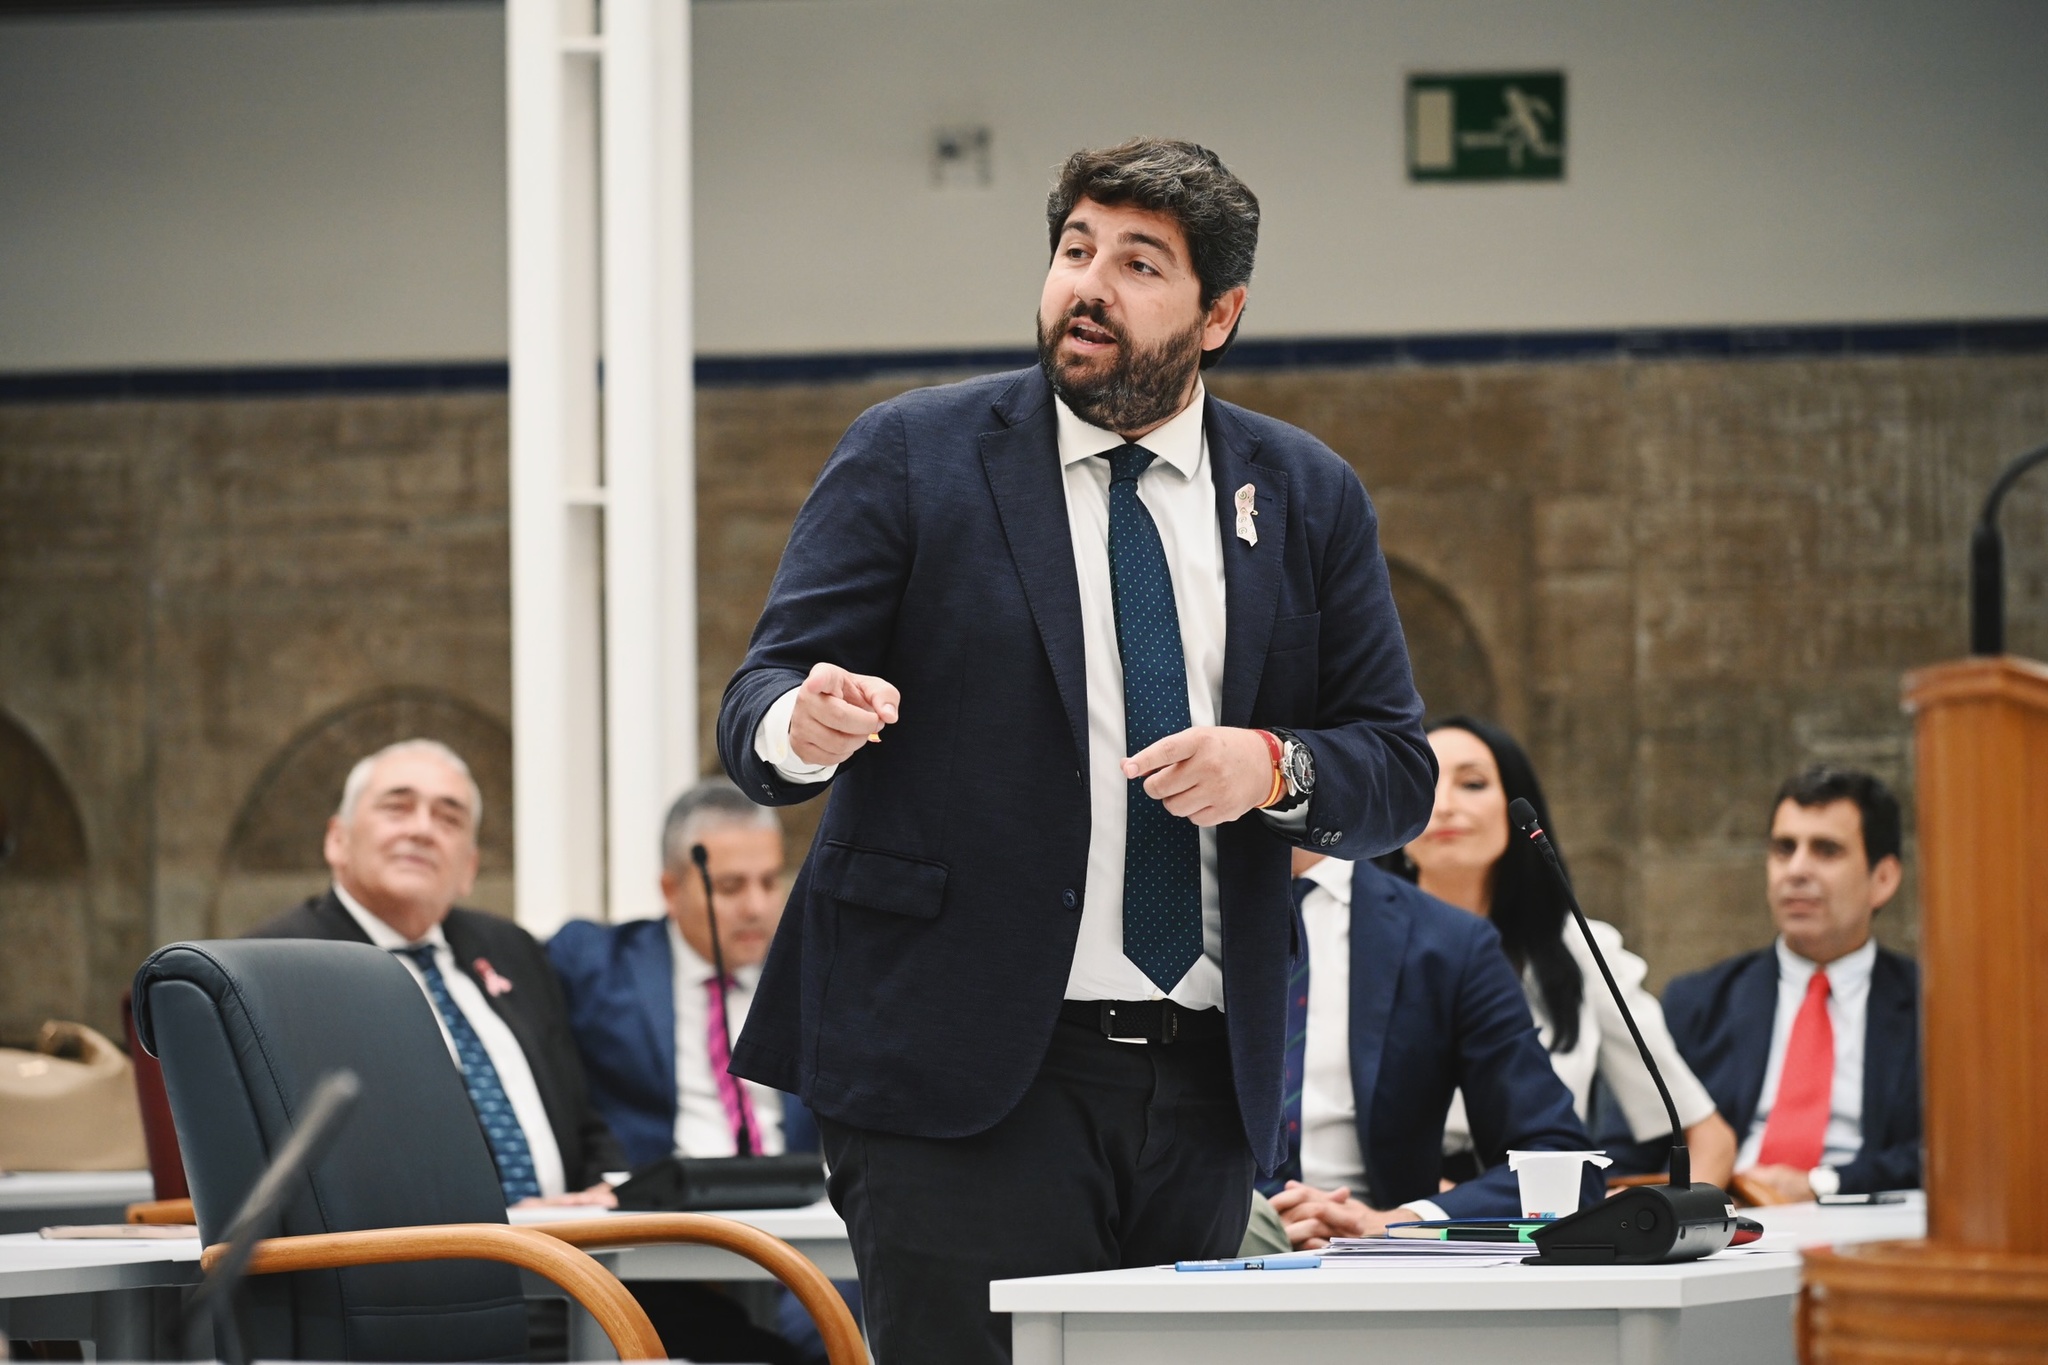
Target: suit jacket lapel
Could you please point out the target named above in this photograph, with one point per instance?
(467, 951)
(1023, 466)
(1379, 944)
(334, 917)
(1887, 1036)
(1753, 1001)
(1251, 573)
(654, 983)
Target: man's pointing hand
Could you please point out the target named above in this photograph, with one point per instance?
(1211, 774)
(837, 712)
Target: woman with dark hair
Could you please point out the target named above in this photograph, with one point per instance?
(1465, 857)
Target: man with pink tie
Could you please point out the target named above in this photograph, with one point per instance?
(1811, 1047)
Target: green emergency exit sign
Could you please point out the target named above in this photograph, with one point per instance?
(1493, 126)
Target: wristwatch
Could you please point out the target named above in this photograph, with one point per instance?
(1297, 770)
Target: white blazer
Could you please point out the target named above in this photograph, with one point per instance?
(1605, 1048)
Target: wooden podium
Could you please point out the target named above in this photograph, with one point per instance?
(1976, 1291)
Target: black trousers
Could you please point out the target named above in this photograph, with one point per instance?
(1119, 1154)
(697, 1323)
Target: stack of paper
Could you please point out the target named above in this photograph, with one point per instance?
(1391, 1251)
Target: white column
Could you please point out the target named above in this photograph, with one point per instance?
(603, 530)
(650, 524)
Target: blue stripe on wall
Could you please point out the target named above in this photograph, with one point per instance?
(2010, 337)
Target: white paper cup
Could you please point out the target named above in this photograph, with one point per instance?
(1551, 1180)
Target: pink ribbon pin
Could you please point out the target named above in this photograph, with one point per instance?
(493, 983)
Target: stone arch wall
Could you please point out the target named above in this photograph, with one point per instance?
(1453, 671)
(272, 857)
(45, 892)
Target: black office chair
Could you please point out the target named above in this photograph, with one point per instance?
(246, 1029)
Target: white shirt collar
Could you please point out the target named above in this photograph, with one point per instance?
(691, 967)
(1334, 876)
(1177, 443)
(382, 934)
(1844, 973)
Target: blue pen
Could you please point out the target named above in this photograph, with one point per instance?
(1293, 1260)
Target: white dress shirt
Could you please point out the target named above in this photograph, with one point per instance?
(507, 1057)
(702, 1127)
(1848, 1010)
(1605, 1048)
(1179, 491)
(1330, 1154)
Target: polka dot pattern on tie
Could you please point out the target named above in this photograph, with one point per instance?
(486, 1091)
(1162, 908)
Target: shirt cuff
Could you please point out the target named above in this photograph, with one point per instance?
(1825, 1180)
(771, 744)
(1427, 1210)
(1288, 821)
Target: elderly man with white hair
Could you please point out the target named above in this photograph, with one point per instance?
(403, 850)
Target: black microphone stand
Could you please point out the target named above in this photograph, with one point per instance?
(1645, 1224)
(746, 1180)
(1987, 561)
(332, 1099)
(702, 859)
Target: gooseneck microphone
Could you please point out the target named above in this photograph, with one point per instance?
(702, 859)
(1645, 1224)
(1987, 561)
(746, 1180)
(332, 1099)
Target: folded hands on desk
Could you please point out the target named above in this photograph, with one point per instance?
(1314, 1216)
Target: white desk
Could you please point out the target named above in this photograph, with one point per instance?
(816, 1231)
(123, 1296)
(33, 1199)
(1734, 1306)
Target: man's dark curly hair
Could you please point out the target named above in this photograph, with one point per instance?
(1823, 785)
(1217, 213)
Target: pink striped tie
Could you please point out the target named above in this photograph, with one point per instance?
(738, 1108)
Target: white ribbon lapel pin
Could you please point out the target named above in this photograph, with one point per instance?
(1247, 531)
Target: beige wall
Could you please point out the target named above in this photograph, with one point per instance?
(193, 593)
(256, 186)
(1687, 579)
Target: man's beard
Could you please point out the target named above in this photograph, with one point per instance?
(1141, 389)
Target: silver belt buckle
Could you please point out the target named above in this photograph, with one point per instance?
(1169, 1025)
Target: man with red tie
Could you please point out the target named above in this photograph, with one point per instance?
(1811, 1048)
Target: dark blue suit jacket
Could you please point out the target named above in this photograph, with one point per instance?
(915, 980)
(619, 980)
(1435, 1007)
(1721, 1019)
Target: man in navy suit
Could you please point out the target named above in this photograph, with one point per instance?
(1404, 1001)
(644, 1001)
(1077, 696)
(1811, 1047)
(644, 1004)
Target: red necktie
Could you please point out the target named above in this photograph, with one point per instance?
(738, 1107)
(1796, 1134)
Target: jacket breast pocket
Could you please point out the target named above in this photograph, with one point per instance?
(1294, 632)
(881, 880)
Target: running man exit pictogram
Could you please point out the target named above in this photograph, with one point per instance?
(1504, 126)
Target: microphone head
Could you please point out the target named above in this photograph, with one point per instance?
(1522, 816)
(701, 858)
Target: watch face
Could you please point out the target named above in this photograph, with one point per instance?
(1300, 768)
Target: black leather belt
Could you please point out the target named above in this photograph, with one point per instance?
(1151, 1021)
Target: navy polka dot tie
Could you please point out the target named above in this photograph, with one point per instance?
(486, 1091)
(1162, 851)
